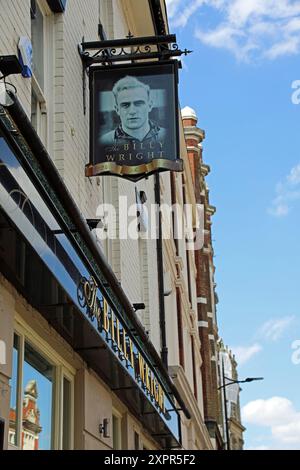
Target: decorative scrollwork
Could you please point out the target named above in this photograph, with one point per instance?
(140, 52)
(146, 49)
(113, 51)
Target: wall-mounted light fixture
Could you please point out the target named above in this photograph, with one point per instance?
(104, 428)
(139, 306)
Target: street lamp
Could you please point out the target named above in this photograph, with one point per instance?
(223, 386)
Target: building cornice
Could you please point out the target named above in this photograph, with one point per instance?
(211, 209)
(205, 169)
(237, 424)
(194, 131)
(193, 148)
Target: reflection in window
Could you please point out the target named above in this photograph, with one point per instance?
(34, 412)
(37, 401)
(13, 411)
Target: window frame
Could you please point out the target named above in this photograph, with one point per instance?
(118, 416)
(62, 369)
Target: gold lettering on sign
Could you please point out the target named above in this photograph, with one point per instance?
(141, 368)
(105, 316)
(87, 296)
(112, 318)
(161, 398)
(155, 390)
(131, 353)
(147, 379)
(152, 385)
(125, 344)
(118, 335)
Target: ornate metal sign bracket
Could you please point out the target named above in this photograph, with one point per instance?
(133, 49)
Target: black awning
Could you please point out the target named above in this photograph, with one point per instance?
(31, 277)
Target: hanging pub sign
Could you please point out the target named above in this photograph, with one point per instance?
(134, 120)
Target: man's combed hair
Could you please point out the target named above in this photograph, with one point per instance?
(127, 83)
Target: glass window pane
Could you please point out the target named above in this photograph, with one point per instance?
(37, 401)
(14, 384)
(66, 414)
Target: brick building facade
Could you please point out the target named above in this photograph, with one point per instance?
(206, 295)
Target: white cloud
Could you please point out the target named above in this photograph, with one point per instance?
(287, 192)
(294, 176)
(274, 329)
(244, 354)
(186, 11)
(247, 28)
(172, 7)
(278, 414)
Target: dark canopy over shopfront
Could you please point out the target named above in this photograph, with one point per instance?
(48, 253)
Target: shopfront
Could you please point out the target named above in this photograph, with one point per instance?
(49, 258)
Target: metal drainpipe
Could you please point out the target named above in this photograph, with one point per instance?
(160, 29)
(160, 277)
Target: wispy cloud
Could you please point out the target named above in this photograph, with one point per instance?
(186, 11)
(247, 28)
(280, 416)
(274, 329)
(245, 353)
(287, 193)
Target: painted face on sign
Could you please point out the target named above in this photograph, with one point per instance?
(133, 106)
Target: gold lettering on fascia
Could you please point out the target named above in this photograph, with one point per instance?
(122, 343)
(150, 383)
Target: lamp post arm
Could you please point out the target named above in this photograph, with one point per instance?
(249, 379)
(230, 383)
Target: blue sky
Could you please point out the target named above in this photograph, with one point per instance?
(239, 80)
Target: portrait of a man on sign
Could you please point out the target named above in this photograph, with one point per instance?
(134, 121)
(133, 104)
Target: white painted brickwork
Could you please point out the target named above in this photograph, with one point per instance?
(15, 22)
